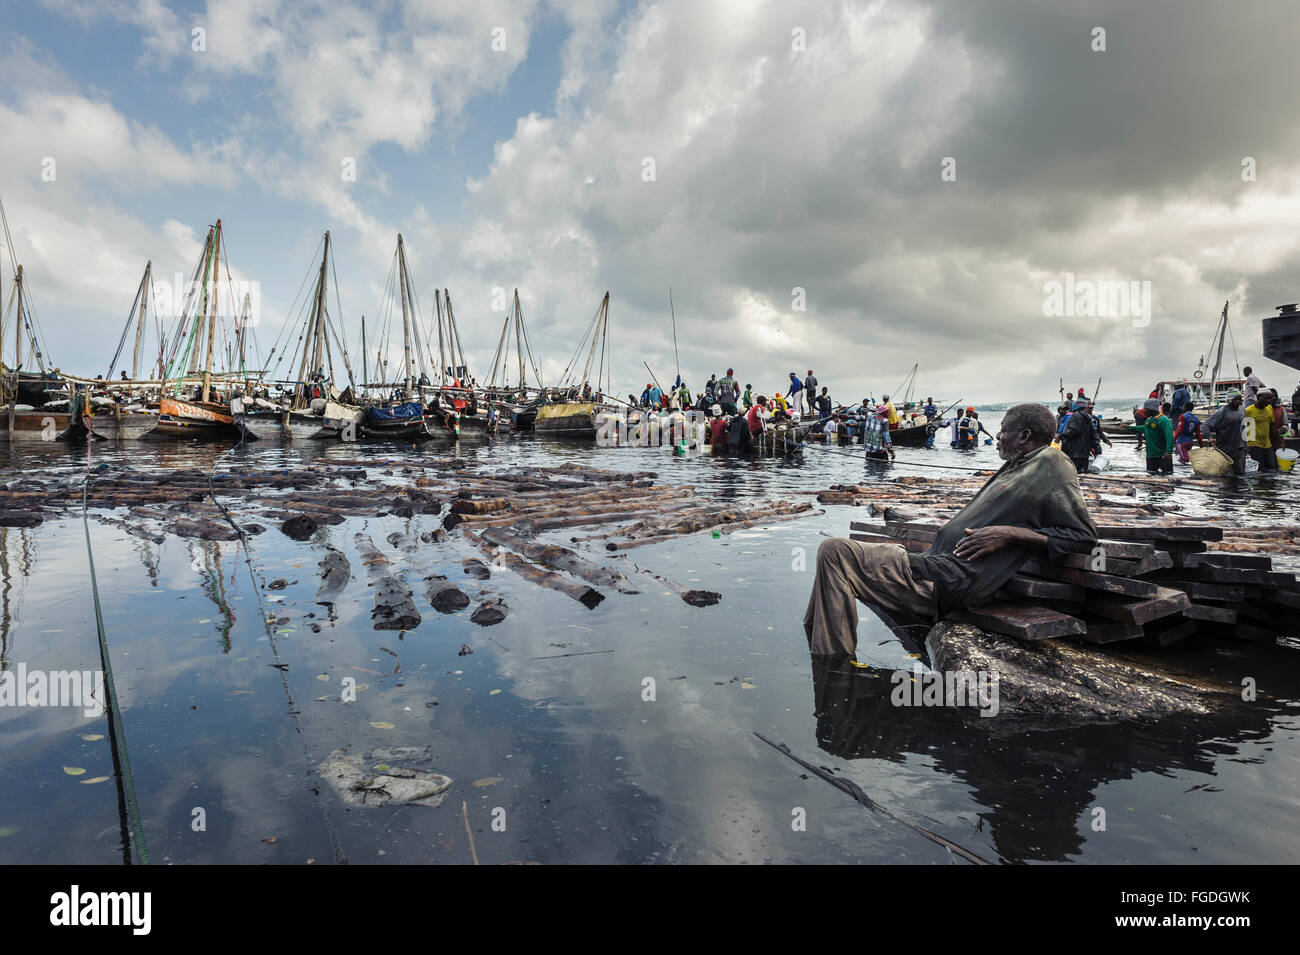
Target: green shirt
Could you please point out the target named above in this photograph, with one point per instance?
(749, 398)
(1159, 434)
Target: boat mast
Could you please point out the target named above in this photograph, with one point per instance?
(518, 339)
(597, 335)
(406, 314)
(442, 352)
(212, 315)
(139, 325)
(364, 373)
(18, 330)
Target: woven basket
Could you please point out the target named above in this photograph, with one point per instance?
(1209, 461)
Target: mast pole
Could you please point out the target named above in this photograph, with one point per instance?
(139, 325)
(518, 340)
(406, 314)
(212, 315)
(442, 353)
(364, 358)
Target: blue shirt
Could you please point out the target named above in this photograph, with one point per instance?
(795, 385)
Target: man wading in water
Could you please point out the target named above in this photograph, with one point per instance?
(1031, 508)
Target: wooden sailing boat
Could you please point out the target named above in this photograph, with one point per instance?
(203, 414)
(572, 413)
(401, 419)
(504, 398)
(40, 408)
(122, 414)
(316, 408)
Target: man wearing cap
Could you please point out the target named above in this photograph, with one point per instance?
(1225, 428)
(892, 412)
(966, 431)
(718, 428)
(1258, 428)
(875, 436)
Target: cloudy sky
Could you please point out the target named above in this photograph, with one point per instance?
(913, 174)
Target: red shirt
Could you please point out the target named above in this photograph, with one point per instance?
(755, 422)
(719, 428)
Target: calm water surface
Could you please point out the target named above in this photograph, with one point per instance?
(566, 750)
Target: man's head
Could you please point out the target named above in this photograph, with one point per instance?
(716, 411)
(823, 389)
(731, 371)
(884, 397)
(1248, 370)
(1166, 408)
(1024, 428)
(929, 400)
(1234, 400)
(792, 376)
(1263, 398)
(748, 387)
(762, 401)
(810, 371)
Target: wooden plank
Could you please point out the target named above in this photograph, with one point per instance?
(1127, 550)
(910, 530)
(1222, 559)
(914, 547)
(1109, 631)
(1022, 585)
(1229, 575)
(1107, 583)
(1211, 613)
(1027, 623)
(1203, 591)
(1162, 532)
(1170, 630)
(1165, 603)
(1284, 598)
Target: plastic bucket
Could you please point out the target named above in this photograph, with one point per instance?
(1286, 459)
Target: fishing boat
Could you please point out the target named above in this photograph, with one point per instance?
(41, 405)
(313, 407)
(1208, 391)
(202, 413)
(571, 413)
(126, 409)
(403, 416)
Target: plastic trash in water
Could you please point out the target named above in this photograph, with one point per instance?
(717, 534)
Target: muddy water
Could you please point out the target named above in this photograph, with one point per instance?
(565, 754)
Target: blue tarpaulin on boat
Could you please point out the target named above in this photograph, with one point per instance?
(402, 412)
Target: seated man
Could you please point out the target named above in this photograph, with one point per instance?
(1033, 504)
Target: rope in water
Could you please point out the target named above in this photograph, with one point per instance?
(857, 792)
(116, 731)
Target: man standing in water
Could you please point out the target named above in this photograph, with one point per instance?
(1259, 425)
(1031, 507)
(1224, 427)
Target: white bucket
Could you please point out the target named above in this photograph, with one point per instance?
(1099, 464)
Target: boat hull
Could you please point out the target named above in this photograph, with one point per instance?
(120, 427)
(33, 427)
(194, 419)
(567, 419)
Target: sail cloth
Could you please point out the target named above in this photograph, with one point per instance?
(1040, 492)
(402, 412)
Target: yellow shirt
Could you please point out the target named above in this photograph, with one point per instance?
(781, 402)
(893, 415)
(1261, 419)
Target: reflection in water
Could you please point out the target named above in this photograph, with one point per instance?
(1036, 780)
(208, 565)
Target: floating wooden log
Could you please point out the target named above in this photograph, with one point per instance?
(394, 605)
(589, 597)
(445, 596)
(562, 559)
(336, 571)
(489, 612)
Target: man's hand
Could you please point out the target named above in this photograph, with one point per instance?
(984, 541)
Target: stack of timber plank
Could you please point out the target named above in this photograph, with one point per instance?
(1160, 582)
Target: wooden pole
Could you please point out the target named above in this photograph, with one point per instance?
(406, 315)
(139, 325)
(212, 315)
